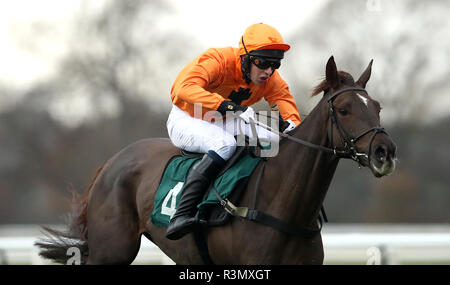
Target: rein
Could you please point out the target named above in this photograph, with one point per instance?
(340, 153)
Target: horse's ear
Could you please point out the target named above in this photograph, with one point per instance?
(362, 81)
(331, 73)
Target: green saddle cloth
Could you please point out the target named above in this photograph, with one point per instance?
(169, 192)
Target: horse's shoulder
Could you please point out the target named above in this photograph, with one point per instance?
(149, 144)
(152, 142)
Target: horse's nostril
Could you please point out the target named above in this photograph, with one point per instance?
(381, 153)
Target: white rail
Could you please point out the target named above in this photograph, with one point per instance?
(347, 244)
(387, 248)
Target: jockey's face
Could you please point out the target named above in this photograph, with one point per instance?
(260, 76)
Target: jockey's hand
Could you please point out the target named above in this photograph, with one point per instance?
(286, 126)
(248, 115)
(228, 106)
(244, 112)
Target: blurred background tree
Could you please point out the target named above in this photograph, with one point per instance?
(99, 102)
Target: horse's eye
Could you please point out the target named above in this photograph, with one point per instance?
(343, 112)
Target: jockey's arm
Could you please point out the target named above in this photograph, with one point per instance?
(282, 97)
(193, 80)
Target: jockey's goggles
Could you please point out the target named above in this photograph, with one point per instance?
(264, 63)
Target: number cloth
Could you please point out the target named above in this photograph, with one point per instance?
(169, 191)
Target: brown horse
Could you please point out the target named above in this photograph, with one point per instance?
(115, 210)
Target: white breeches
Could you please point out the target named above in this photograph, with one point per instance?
(197, 135)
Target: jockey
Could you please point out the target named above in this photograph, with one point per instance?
(225, 80)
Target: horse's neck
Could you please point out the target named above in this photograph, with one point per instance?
(305, 172)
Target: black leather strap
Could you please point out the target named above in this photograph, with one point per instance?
(202, 245)
(268, 220)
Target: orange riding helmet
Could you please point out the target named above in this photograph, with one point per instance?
(261, 39)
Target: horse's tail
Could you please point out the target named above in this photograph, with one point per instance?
(60, 246)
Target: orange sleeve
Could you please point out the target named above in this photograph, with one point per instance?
(278, 93)
(192, 82)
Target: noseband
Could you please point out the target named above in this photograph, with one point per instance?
(348, 141)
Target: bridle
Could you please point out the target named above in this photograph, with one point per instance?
(348, 142)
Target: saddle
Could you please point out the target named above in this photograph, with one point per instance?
(215, 214)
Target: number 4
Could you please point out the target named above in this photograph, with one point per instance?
(173, 193)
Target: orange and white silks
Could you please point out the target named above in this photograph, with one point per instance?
(210, 79)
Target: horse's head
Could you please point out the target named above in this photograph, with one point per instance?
(354, 120)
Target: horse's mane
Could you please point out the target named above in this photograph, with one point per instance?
(344, 79)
